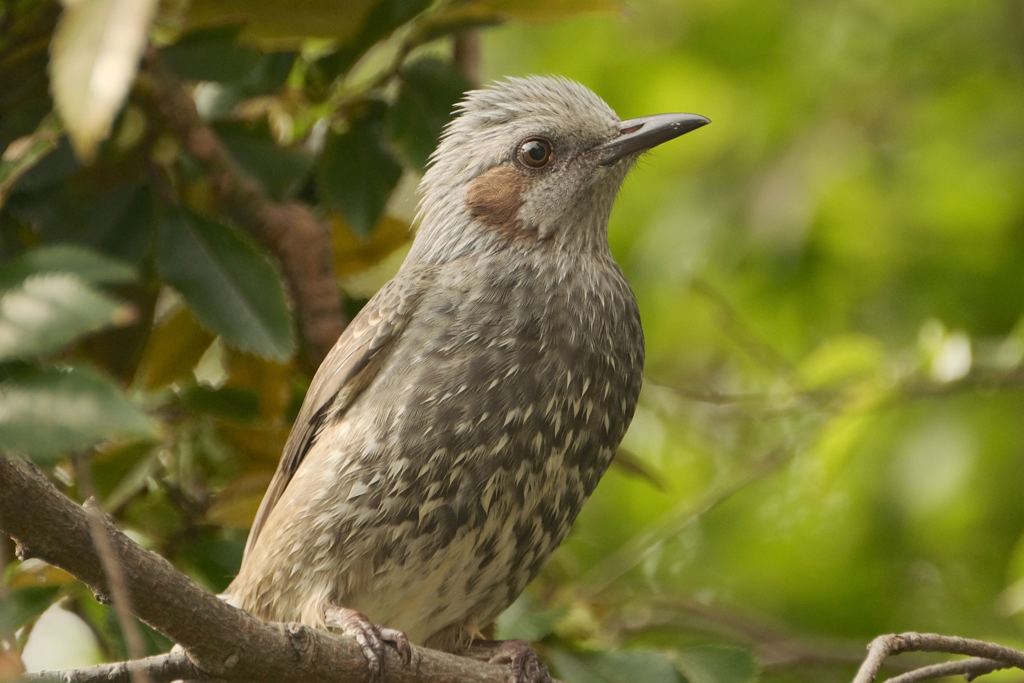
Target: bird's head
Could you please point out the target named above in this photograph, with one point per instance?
(527, 160)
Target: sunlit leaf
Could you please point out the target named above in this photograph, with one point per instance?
(276, 23)
(93, 59)
(428, 91)
(175, 345)
(232, 287)
(354, 254)
(46, 312)
(269, 380)
(46, 413)
(717, 664)
(614, 667)
(456, 17)
(544, 10)
(357, 174)
(35, 573)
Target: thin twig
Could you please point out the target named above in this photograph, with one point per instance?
(467, 55)
(119, 596)
(637, 549)
(883, 647)
(969, 668)
(741, 331)
(776, 646)
(158, 668)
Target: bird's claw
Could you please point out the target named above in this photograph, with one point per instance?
(523, 663)
(370, 638)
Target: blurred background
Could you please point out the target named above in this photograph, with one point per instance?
(830, 440)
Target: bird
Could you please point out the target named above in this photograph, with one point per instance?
(451, 436)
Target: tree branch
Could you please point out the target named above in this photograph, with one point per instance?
(220, 640)
(159, 669)
(969, 668)
(290, 230)
(884, 647)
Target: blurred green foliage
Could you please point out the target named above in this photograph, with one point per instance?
(830, 442)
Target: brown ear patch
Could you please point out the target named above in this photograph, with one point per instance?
(494, 197)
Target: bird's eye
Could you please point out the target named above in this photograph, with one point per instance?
(534, 152)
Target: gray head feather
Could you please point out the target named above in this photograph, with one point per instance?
(490, 125)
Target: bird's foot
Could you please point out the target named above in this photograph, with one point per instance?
(524, 666)
(370, 637)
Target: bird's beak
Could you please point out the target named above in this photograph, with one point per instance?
(636, 135)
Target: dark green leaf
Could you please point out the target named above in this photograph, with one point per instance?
(232, 287)
(357, 174)
(227, 402)
(54, 167)
(46, 312)
(428, 91)
(45, 413)
(279, 169)
(717, 664)
(213, 557)
(212, 54)
(614, 667)
(23, 605)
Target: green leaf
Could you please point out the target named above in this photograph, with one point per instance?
(357, 174)
(544, 10)
(93, 58)
(232, 287)
(211, 54)
(45, 413)
(279, 169)
(277, 23)
(175, 345)
(717, 664)
(83, 263)
(382, 20)
(614, 667)
(47, 312)
(428, 91)
(23, 605)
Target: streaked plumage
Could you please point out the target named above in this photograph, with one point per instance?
(454, 432)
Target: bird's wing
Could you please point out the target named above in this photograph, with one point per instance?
(348, 369)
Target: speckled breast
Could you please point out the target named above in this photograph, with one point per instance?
(510, 393)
